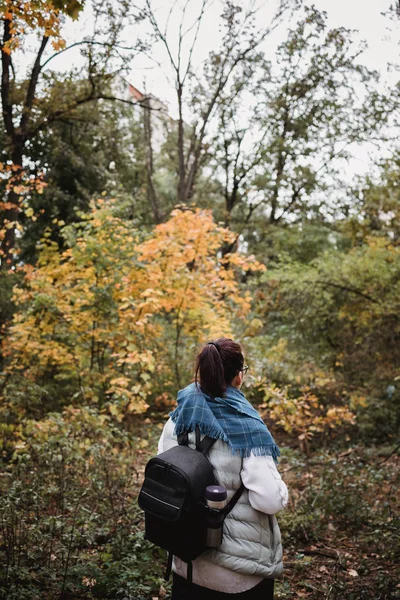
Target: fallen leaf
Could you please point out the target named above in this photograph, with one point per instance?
(323, 569)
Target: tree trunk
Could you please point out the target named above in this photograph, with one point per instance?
(151, 191)
(181, 195)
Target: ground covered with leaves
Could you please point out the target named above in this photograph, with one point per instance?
(71, 527)
(341, 527)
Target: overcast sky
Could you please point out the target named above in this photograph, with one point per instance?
(366, 17)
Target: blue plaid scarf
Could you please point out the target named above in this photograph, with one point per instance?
(231, 419)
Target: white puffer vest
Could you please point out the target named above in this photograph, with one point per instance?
(252, 540)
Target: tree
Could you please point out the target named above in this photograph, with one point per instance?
(16, 126)
(96, 150)
(309, 106)
(106, 321)
(396, 8)
(29, 108)
(373, 207)
(240, 41)
(332, 325)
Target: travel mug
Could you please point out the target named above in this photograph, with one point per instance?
(216, 498)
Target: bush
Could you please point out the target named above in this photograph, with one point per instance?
(69, 519)
(353, 495)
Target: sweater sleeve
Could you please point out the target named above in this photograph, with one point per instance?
(161, 442)
(267, 492)
(167, 439)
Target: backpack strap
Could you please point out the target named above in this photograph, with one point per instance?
(183, 438)
(232, 501)
(202, 446)
(189, 572)
(198, 438)
(205, 444)
(169, 566)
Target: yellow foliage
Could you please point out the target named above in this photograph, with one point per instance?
(110, 312)
(37, 15)
(303, 415)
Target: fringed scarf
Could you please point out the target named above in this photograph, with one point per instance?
(231, 419)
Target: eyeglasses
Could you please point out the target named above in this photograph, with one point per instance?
(245, 369)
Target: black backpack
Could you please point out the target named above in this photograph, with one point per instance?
(172, 497)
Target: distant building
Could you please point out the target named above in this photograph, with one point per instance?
(149, 110)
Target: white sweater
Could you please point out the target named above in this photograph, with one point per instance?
(267, 493)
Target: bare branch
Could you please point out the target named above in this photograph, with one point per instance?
(293, 200)
(153, 21)
(91, 97)
(85, 42)
(198, 23)
(180, 37)
(168, 17)
(30, 95)
(223, 80)
(347, 289)
(12, 68)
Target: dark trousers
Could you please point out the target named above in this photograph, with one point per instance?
(181, 590)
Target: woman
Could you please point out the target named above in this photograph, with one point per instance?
(250, 556)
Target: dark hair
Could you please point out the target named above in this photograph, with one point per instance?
(218, 364)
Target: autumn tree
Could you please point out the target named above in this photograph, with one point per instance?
(29, 107)
(111, 319)
(331, 325)
(96, 150)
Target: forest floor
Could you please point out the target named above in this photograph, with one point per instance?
(72, 529)
(340, 530)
